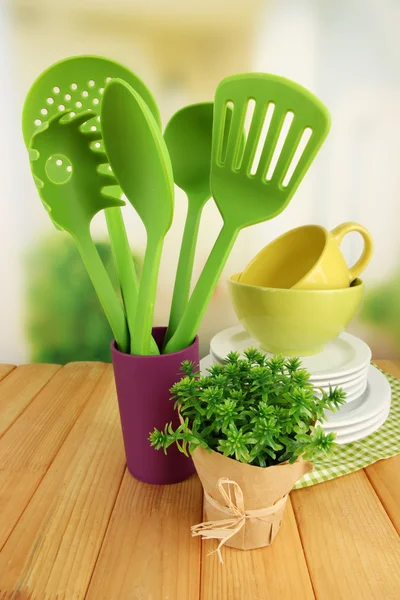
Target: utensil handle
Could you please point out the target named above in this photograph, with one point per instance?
(201, 296)
(125, 268)
(140, 341)
(105, 291)
(185, 268)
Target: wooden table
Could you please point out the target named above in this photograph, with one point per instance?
(75, 524)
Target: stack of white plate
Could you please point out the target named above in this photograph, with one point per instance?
(344, 362)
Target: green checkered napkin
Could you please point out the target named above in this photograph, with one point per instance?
(384, 443)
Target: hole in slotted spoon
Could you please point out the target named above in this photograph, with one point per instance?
(229, 107)
(58, 169)
(279, 144)
(74, 86)
(263, 137)
(251, 104)
(305, 138)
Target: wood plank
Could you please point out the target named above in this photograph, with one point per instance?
(19, 388)
(5, 370)
(276, 572)
(30, 445)
(384, 476)
(351, 547)
(148, 552)
(391, 366)
(53, 549)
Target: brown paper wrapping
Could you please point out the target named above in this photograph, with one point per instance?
(258, 489)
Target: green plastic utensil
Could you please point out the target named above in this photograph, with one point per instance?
(139, 158)
(188, 136)
(77, 84)
(65, 165)
(253, 182)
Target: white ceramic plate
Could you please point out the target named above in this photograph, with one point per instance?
(343, 379)
(360, 434)
(369, 408)
(354, 386)
(348, 429)
(352, 393)
(344, 356)
(377, 395)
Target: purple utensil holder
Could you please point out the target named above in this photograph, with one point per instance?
(143, 384)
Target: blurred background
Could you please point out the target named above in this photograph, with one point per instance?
(347, 52)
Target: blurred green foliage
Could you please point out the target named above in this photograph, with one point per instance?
(64, 318)
(382, 307)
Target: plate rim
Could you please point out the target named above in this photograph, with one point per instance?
(350, 338)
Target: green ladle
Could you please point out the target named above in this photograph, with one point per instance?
(253, 182)
(65, 165)
(188, 136)
(140, 161)
(77, 84)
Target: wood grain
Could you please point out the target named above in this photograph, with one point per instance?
(385, 478)
(53, 549)
(276, 572)
(390, 366)
(351, 546)
(19, 388)
(148, 552)
(30, 445)
(5, 370)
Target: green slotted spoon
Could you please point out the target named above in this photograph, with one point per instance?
(139, 158)
(65, 169)
(77, 84)
(254, 182)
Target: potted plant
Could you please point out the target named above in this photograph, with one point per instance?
(251, 428)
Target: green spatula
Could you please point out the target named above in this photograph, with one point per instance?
(139, 159)
(65, 169)
(77, 84)
(254, 182)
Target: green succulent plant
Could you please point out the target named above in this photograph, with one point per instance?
(255, 410)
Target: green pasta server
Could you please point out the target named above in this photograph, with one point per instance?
(64, 163)
(77, 84)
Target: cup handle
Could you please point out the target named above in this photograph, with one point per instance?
(341, 230)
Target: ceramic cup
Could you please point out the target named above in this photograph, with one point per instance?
(308, 258)
(294, 322)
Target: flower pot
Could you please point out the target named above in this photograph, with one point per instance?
(143, 388)
(249, 500)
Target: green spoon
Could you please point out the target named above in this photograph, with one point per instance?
(188, 136)
(253, 182)
(65, 169)
(77, 84)
(139, 158)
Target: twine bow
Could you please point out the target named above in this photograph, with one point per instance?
(226, 528)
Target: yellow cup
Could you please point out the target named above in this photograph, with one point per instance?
(294, 322)
(308, 258)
